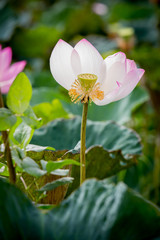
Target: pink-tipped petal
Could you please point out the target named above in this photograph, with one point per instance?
(8, 73)
(117, 57)
(10, 76)
(75, 62)
(131, 65)
(5, 59)
(12, 72)
(123, 89)
(60, 64)
(91, 61)
(130, 82)
(116, 71)
(140, 72)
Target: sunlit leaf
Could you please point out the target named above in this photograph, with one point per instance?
(19, 94)
(7, 119)
(51, 166)
(58, 172)
(36, 148)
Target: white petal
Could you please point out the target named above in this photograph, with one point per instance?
(75, 62)
(117, 57)
(60, 64)
(116, 70)
(91, 61)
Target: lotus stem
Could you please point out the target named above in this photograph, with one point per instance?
(83, 143)
(7, 152)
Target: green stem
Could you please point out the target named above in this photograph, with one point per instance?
(156, 170)
(83, 145)
(7, 152)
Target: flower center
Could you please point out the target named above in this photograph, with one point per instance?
(85, 88)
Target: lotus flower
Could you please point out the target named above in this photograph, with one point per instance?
(86, 75)
(8, 72)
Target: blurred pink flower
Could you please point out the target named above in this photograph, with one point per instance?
(116, 75)
(8, 72)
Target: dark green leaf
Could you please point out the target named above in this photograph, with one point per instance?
(19, 94)
(56, 183)
(96, 211)
(128, 11)
(110, 135)
(19, 219)
(8, 23)
(51, 166)
(100, 164)
(7, 119)
(38, 40)
(99, 210)
(111, 148)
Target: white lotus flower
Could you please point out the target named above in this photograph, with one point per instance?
(84, 73)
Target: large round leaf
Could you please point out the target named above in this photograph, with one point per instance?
(19, 219)
(99, 210)
(65, 133)
(96, 211)
(110, 147)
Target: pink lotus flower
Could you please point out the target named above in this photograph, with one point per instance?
(8, 73)
(114, 77)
